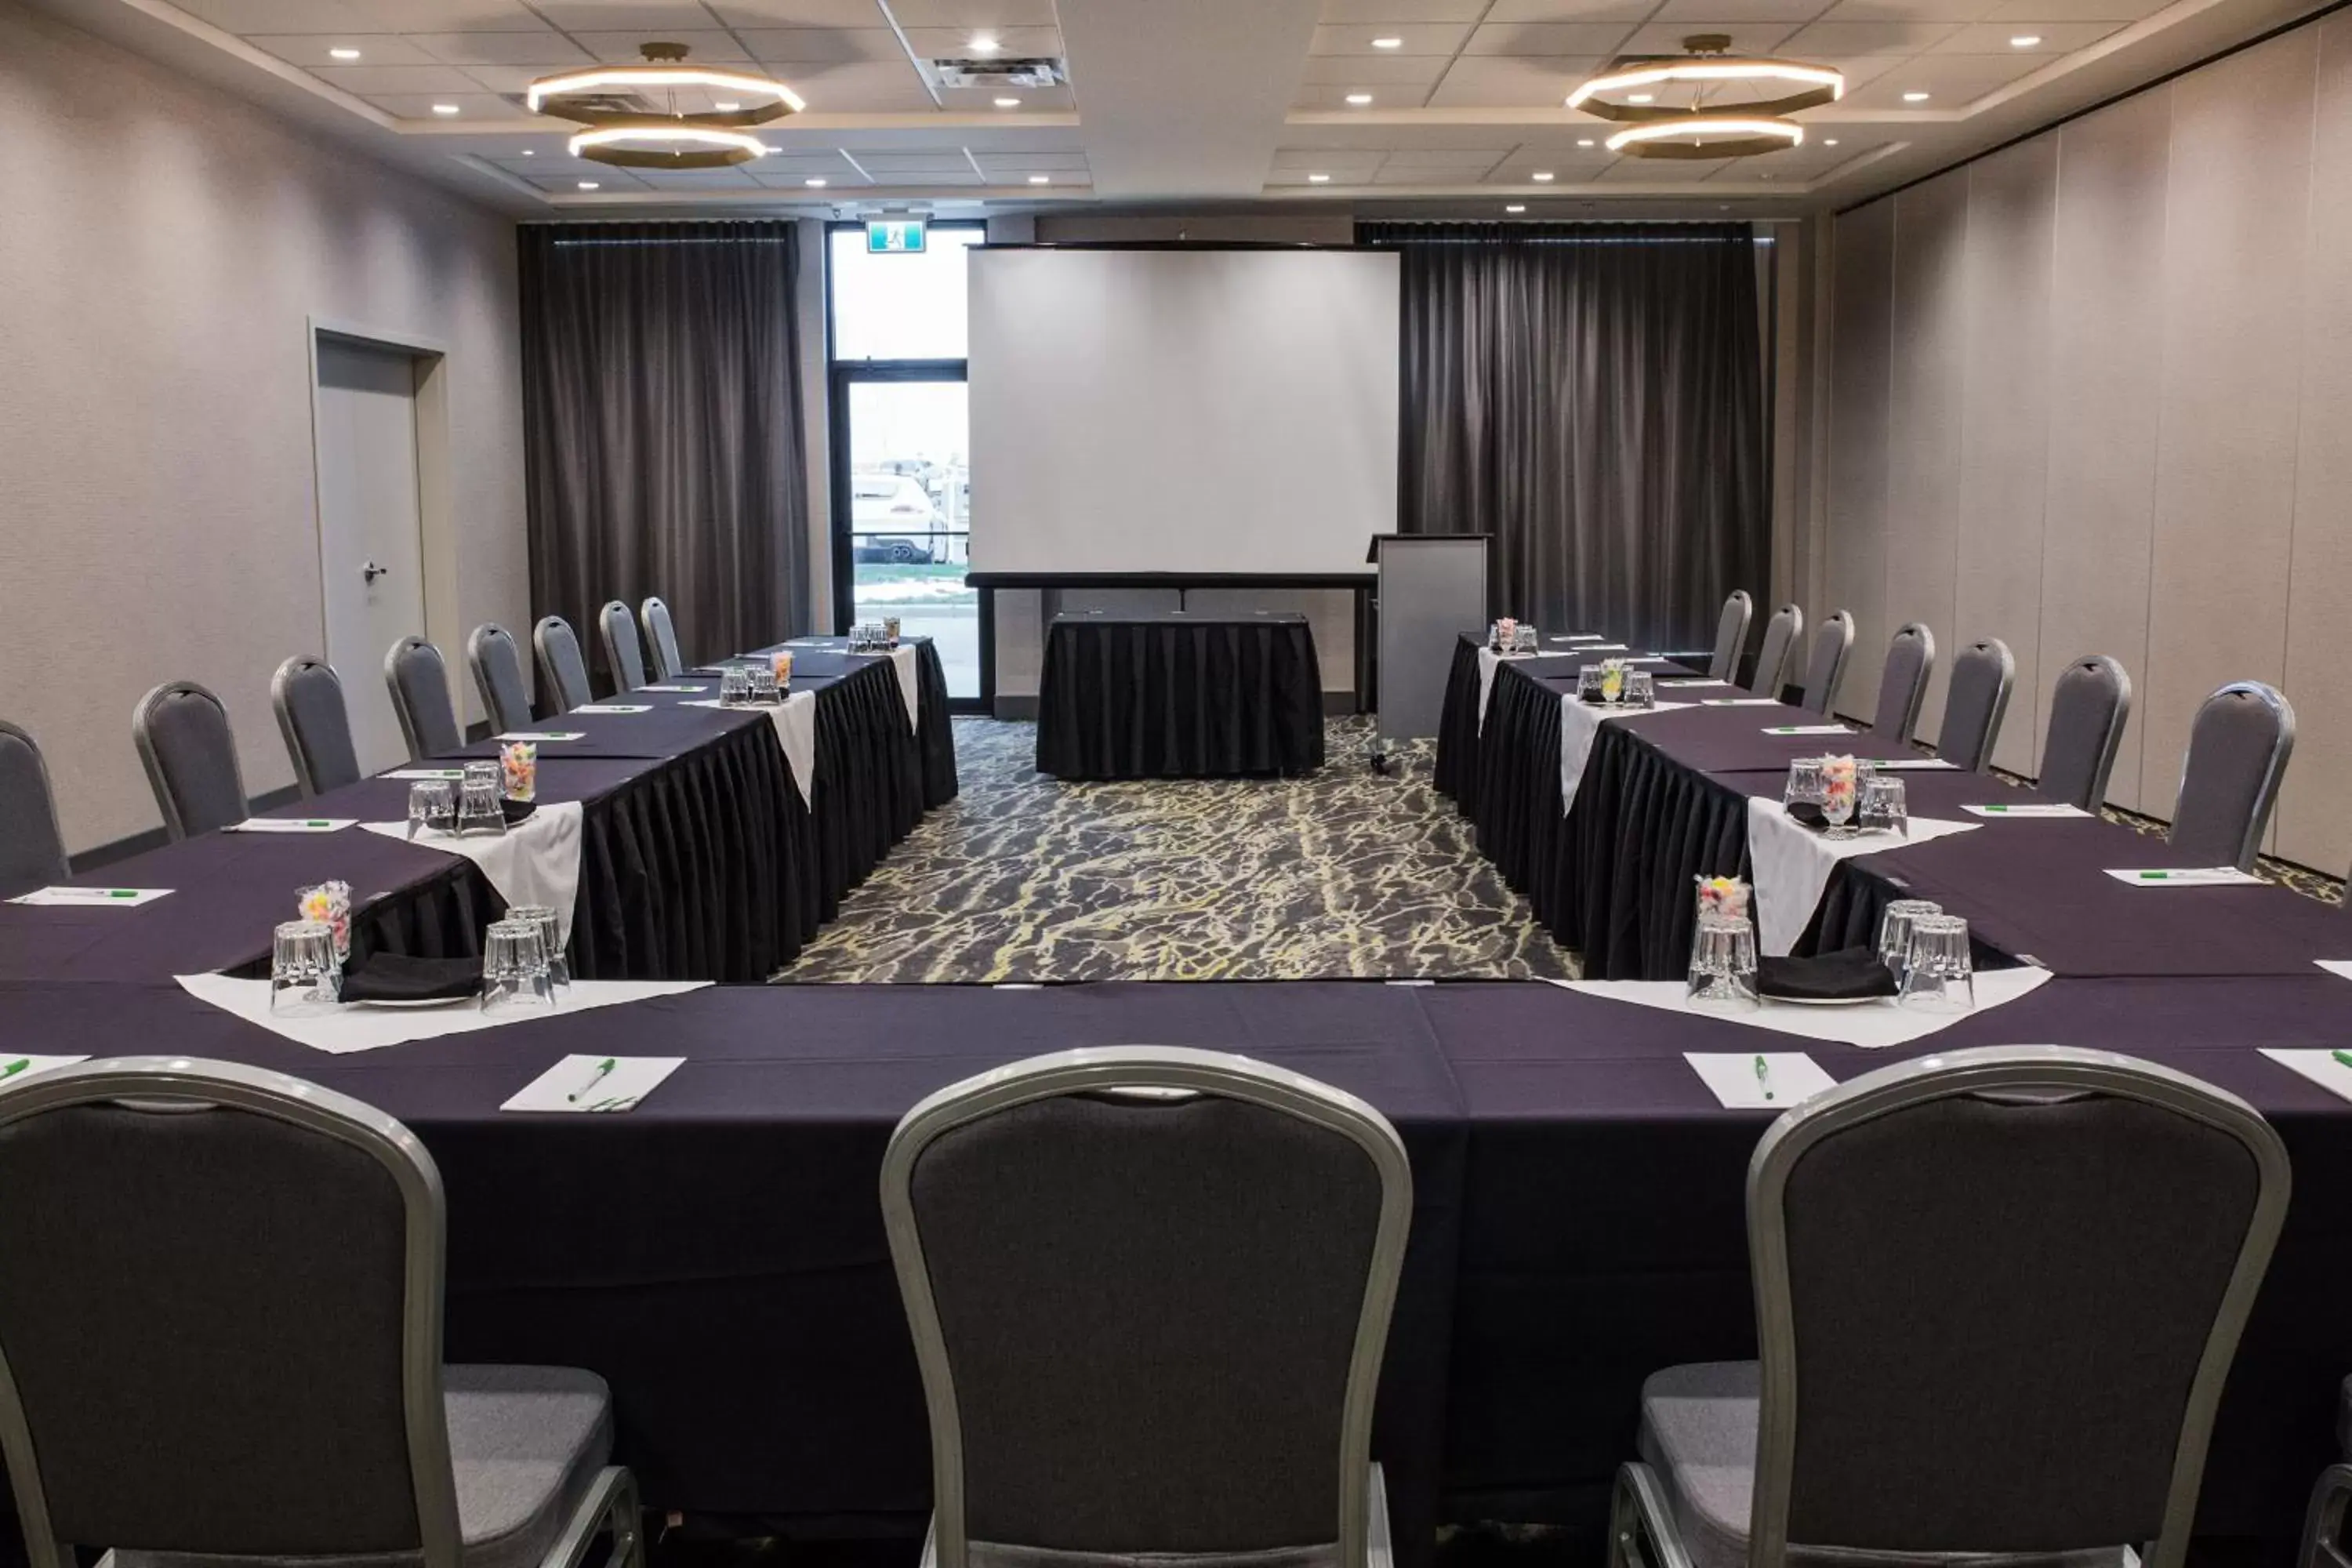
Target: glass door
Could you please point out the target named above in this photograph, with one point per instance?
(909, 493)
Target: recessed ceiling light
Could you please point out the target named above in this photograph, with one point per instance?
(1319, 179)
(444, 109)
(1516, 207)
(1357, 99)
(1829, 140)
(1041, 179)
(815, 182)
(2024, 40)
(1584, 142)
(984, 44)
(1008, 103)
(531, 151)
(343, 54)
(1639, 97)
(588, 186)
(1541, 176)
(1914, 98)
(726, 108)
(1387, 43)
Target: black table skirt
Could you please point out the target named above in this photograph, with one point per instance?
(1458, 757)
(1179, 698)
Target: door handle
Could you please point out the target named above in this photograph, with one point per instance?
(371, 572)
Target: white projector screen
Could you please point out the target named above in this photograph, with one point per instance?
(1195, 411)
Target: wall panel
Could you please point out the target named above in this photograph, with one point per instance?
(1855, 577)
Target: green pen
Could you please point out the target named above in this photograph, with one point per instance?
(2343, 1056)
(2156, 876)
(1763, 1075)
(95, 892)
(21, 1063)
(604, 1071)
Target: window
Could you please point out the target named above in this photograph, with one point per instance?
(901, 445)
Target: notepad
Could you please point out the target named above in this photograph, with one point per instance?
(2328, 1070)
(2190, 877)
(1807, 729)
(1905, 765)
(2028, 811)
(1736, 701)
(423, 773)
(593, 1084)
(673, 688)
(544, 735)
(615, 708)
(291, 824)
(101, 897)
(1789, 1077)
(1691, 680)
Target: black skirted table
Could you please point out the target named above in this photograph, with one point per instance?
(1179, 696)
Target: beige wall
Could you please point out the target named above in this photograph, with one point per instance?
(162, 249)
(2094, 393)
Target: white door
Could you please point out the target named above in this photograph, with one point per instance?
(371, 542)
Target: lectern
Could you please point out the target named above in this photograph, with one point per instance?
(1432, 589)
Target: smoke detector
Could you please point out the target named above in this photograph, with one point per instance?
(1034, 72)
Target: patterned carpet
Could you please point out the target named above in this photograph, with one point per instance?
(1345, 874)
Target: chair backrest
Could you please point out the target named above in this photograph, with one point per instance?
(2238, 751)
(1903, 684)
(220, 1328)
(497, 676)
(1826, 669)
(661, 639)
(1975, 703)
(190, 754)
(1781, 635)
(2088, 708)
(1936, 1247)
(1149, 1290)
(563, 673)
(1731, 636)
(621, 649)
(309, 697)
(32, 850)
(419, 682)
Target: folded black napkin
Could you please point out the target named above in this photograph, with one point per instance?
(518, 810)
(1807, 814)
(1845, 976)
(396, 978)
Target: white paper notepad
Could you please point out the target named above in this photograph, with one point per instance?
(1905, 765)
(2326, 1069)
(544, 735)
(594, 1084)
(1739, 701)
(673, 688)
(2190, 877)
(1693, 680)
(1807, 729)
(2025, 811)
(291, 824)
(615, 708)
(1786, 1079)
(94, 898)
(423, 773)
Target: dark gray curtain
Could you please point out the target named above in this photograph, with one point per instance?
(1592, 395)
(662, 429)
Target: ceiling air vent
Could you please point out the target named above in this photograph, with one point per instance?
(998, 73)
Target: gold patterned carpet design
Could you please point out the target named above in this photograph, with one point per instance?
(1344, 874)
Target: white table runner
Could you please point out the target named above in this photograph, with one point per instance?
(1579, 722)
(535, 862)
(794, 720)
(1872, 1026)
(1790, 865)
(356, 1026)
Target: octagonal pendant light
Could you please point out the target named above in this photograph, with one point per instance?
(664, 113)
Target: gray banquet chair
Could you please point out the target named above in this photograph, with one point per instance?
(419, 683)
(563, 673)
(1947, 1366)
(32, 850)
(2088, 708)
(1731, 636)
(1825, 670)
(497, 676)
(621, 649)
(2238, 751)
(1149, 1290)
(309, 697)
(1975, 703)
(232, 1356)
(190, 754)
(1781, 635)
(661, 639)
(1903, 684)
(2325, 1545)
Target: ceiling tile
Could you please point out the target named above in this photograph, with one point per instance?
(602, 178)
(1571, 11)
(1867, 37)
(964, 177)
(741, 14)
(737, 177)
(2057, 37)
(880, 164)
(974, 13)
(955, 43)
(1395, 173)
(1479, 158)
(419, 105)
(309, 50)
(855, 86)
(367, 79)
(544, 48)
(1660, 170)
(1334, 95)
(1747, 37)
(1511, 81)
(708, 46)
(1908, 10)
(511, 79)
(1034, 100)
(1345, 168)
(549, 165)
(835, 44)
(1334, 70)
(1554, 38)
(1341, 13)
(614, 15)
(1416, 38)
(1695, 12)
(246, 17)
(1952, 81)
(1030, 163)
(1860, 69)
(2074, 10)
(1570, 170)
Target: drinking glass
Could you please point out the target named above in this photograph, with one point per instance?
(763, 677)
(1588, 684)
(890, 630)
(431, 807)
(1938, 976)
(1837, 810)
(304, 976)
(1894, 931)
(1885, 805)
(1804, 782)
(482, 808)
(1527, 640)
(515, 975)
(1641, 688)
(1723, 963)
(734, 686)
(551, 941)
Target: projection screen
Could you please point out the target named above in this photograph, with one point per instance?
(1192, 411)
